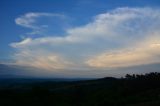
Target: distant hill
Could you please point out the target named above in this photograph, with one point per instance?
(29, 74)
(15, 71)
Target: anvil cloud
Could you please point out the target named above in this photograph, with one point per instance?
(122, 37)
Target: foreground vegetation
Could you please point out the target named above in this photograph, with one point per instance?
(133, 90)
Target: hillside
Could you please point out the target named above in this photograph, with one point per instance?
(133, 90)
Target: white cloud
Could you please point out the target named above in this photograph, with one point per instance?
(30, 20)
(40, 59)
(25, 41)
(127, 58)
(93, 43)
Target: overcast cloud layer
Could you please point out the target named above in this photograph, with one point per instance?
(123, 37)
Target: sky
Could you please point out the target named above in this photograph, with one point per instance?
(92, 38)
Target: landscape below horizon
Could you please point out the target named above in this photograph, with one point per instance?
(132, 90)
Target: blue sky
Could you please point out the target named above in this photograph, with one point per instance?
(82, 34)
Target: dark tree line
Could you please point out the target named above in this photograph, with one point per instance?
(148, 76)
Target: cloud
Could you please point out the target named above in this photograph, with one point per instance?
(25, 41)
(36, 21)
(29, 19)
(118, 38)
(40, 59)
(126, 58)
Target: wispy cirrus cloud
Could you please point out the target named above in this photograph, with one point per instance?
(122, 37)
(38, 22)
